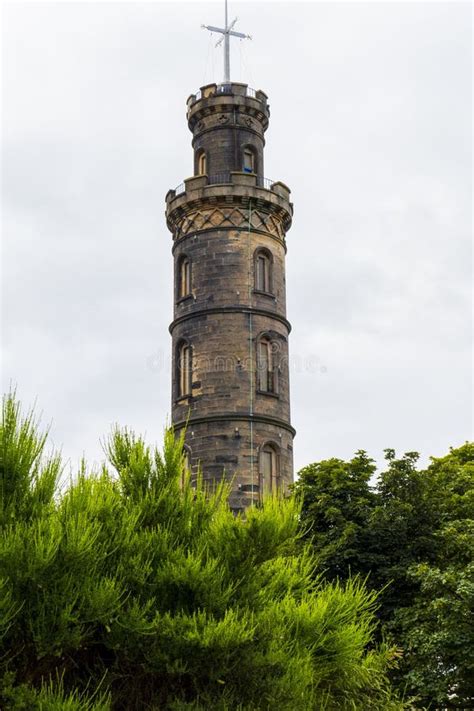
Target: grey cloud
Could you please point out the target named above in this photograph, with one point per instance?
(371, 129)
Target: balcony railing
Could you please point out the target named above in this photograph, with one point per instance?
(226, 179)
(227, 89)
(219, 179)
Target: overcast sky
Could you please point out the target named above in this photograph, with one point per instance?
(371, 129)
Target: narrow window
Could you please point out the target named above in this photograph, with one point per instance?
(202, 164)
(268, 469)
(184, 370)
(263, 273)
(249, 161)
(266, 370)
(184, 279)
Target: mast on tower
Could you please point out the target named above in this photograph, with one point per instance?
(226, 33)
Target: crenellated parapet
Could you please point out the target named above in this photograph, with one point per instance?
(220, 104)
(201, 204)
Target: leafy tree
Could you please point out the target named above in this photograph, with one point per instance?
(413, 542)
(130, 589)
(337, 502)
(438, 628)
(400, 530)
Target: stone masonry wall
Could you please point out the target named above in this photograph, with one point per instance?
(219, 228)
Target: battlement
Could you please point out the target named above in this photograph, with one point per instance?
(230, 89)
(233, 187)
(229, 178)
(213, 100)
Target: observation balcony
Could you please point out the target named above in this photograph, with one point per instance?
(227, 178)
(227, 98)
(230, 89)
(236, 188)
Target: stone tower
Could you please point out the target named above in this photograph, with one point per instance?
(230, 382)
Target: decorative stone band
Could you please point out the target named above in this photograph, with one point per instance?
(226, 116)
(208, 206)
(230, 309)
(236, 217)
(236, 417)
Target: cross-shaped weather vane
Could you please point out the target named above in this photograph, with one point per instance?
(226, 33)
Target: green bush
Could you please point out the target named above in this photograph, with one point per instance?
(131, 589)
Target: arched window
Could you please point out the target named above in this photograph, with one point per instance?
(249, 160)
(202, 163)
(184, 369)
(267, 371)
(268, 469)
(263, 271)
(184, 277)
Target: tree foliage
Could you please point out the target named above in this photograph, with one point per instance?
(411, 535)
(131, 589)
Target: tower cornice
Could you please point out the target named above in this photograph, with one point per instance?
(238, 309)
(223, 98)
(236, 417)
(202, 203)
